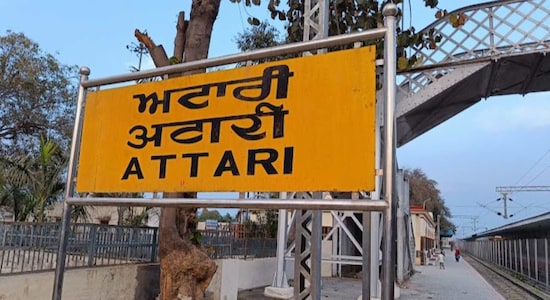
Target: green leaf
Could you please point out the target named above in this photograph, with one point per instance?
(402, 63)
(453, 19)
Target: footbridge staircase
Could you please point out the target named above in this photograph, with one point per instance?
(500, 50)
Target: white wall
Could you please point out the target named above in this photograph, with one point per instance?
(128, 282)
(237, 274)
(131, 282)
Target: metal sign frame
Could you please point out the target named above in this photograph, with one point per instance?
(389, 35)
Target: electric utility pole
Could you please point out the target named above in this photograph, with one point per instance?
(505, 190)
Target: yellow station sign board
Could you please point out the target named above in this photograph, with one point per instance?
(292, 125)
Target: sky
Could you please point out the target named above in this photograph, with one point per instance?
(500, 141)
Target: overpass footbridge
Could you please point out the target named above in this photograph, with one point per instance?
(500, 50)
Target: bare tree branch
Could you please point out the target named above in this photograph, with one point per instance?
(179, 40)
(160, 59)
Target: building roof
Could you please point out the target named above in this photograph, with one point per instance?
(534, 227)
(417, 209)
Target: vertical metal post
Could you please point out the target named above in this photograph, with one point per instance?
(503, 250)
(400, 227)
(316, 248)
(366, 241)
(492, 251)
(281, 245)
(509, 254)
(336, 247)
(302, 262)
(528, 258)
(546, 261)
(507, 251)
(154, 243)
(490, 248)
(505, 199)
(500, 253)
(536, 258)
(516, 255)
(69, 188)
(497, 254)
(506, 258)
(92, 240)
(390, 12)
(485, 250)
(374, 226)
(520, 258)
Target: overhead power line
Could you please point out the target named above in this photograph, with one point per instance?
(532, 167)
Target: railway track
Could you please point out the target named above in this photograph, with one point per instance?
(508, 286)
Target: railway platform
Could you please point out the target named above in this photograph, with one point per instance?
(459, 280)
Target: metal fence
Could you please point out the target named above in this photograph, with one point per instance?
(28, 247)
(229, 244)
(526, 258)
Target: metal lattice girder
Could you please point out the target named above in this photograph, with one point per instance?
(302, 268)
(307, 256)
(308, 223)
(315, 19)
(339, 224)
(491, 31)
(409, 102)
(525, 188)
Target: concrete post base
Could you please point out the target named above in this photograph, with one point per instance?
(279, 292)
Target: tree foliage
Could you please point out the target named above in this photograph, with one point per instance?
(266, 225)
(210, 215)
(31, 182)
(258, 37)
(214, 215)
(423, 191)
(347, 16)
(37, 94)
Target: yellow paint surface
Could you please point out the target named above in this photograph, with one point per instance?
(304, 124)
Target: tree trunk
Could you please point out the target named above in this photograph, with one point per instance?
(186, 270)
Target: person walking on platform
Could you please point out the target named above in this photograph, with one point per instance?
(441, 260)
(457, 254)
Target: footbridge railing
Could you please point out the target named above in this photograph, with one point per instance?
(491, 30)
